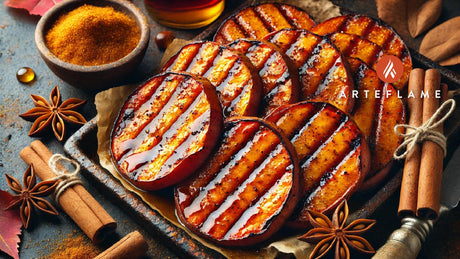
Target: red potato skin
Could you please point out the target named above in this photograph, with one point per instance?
(276, 221)
(190, 163)
(299, 219)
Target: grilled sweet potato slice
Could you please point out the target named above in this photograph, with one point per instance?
(377, 111)
(324, 74)
(280, 80)
(375, 31)
(247, 188)
(237, 82)
(257, 21)
(333, 154)
(166, 130)
(353, 46)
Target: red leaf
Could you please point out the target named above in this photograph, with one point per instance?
(38, 7)
(11, 226)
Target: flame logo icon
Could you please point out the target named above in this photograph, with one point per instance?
(389, 70)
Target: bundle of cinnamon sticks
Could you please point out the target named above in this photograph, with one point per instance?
(87, 213)
(421, 183)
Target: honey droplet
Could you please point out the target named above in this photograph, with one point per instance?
(25, 75)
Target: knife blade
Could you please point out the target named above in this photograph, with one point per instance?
(450, 193)
(406, 242)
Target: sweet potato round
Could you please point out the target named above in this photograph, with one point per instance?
(333, 155)
(246, 190)
(236, 80)
(165, 130)
(280, 80)
(372, 30)
(257, 21)
(377, 115)
(323, 71)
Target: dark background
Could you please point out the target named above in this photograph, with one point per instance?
(17, 49)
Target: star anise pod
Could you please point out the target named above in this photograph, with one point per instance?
(53, 113)
(328, 234)
(30, 195)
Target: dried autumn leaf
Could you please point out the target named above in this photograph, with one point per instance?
(443, 41)
(11, 226)
(35, 7)
(393, 12)
(453, 60)
(422, 14)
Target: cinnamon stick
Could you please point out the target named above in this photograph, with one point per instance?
(429, 188)
(409, 183)
(75, 201)
(131, 246)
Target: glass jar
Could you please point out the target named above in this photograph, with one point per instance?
(185, 14)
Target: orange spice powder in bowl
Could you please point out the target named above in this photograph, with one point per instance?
(93, 35)
(92, 44)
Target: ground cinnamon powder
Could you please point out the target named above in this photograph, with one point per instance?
(92, 35)
(72, 247)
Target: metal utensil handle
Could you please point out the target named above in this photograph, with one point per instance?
(406, 242)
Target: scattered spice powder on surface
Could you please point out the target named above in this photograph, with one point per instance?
(74, 246)
(92, 35)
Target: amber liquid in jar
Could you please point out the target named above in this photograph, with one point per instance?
(185, 14)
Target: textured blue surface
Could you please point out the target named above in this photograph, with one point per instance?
(17, 49)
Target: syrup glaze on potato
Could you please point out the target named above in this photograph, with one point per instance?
(165, 130)
(257, 21)
(246, 190)
(333, 155)
(324, 74)
(280, 80)
(375, 31)
(236, 80)
(377, 117)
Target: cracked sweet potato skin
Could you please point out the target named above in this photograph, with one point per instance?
(376, 116)
(257, 21)
(333, 154)
(246, 190)
(375, 31)
(324, 74)
(280, 80)
(236, 80)
(165, 130)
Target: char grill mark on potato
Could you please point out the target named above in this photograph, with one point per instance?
(257, 21)
(323, 74)
(374, 31)
(333, 155)
(237, 82)
(248, 186)
(279, 76)
(377, 117)
(353, 46)
(166, 122)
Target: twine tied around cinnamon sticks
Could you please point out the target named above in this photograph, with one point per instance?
(66, 178)
(427, 131)
(75, 200)
(422, 174)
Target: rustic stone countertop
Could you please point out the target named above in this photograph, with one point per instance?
(17, 49)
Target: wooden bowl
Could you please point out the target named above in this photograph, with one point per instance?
(100, 76)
